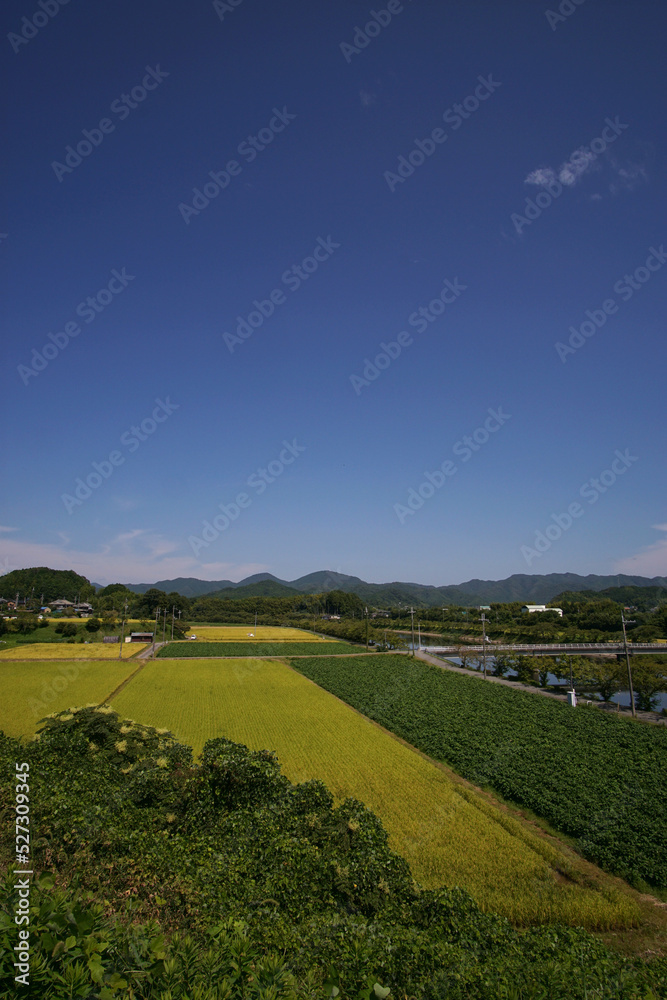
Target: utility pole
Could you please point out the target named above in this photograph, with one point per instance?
(164, 625)
(627, 660)
(412, 614)
(173, 616)
(484, 642)
(157, 612)
(366, 610)
(122, 632)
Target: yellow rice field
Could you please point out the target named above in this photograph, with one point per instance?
(248, 633)
(29, 690)
(451, 834)
(71, 651)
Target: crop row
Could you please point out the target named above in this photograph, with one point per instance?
(597, 778)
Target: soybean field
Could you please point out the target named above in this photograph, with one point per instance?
(199, 649)
(598, 778)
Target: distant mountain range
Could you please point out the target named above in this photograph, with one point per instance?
(519, 587)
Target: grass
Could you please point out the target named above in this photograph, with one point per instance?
(29, 690)
(263, 633)
(450, 833)
(198, 649)
(71, 651)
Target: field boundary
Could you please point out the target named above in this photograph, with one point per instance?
(123, 684)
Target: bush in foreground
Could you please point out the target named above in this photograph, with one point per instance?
(164, 880)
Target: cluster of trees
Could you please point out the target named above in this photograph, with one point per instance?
(604, 675)
(586, 621)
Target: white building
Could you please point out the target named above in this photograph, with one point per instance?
(540, 607)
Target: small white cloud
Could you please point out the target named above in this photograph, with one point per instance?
(568, 173)
(580, 161)
(542, 176)
(367, 98)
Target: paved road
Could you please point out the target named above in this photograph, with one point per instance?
(147, 654)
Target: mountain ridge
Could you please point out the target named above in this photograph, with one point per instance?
(535, 588)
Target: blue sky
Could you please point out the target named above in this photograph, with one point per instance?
(498, 167)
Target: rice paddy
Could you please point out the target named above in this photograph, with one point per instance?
(71, 651)
(248, 633)
(29, 690)
(449, 832)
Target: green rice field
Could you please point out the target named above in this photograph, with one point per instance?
(31, 689)
(188, 648)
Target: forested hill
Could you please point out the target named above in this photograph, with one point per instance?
(51, 584)
(641, 598)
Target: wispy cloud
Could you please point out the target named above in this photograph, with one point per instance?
(4, 528)
(617, 175)
(651, 561)
(138, 555)
(627, 176)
